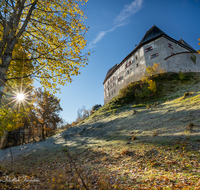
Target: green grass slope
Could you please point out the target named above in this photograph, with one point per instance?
(133, 142)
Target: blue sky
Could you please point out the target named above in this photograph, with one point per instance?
(115, 27)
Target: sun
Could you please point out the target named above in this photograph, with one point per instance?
(20, 97)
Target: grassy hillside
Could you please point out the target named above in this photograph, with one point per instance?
(133, 142)
(169, 86)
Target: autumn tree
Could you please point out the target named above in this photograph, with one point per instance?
(82, 114)
(50, 32)
(150, 71)
(153, 70)
(12, 110)
(47, 110)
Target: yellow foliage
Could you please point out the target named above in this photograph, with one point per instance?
(150, 71)
(152, 85)
(155, 69)
(53, 39)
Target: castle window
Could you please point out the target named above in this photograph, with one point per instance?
(114, 91)
(154, 55)
(120, 78)
(148, 49)
(128, 64)
(133, 61)
(136, 58)
(137, 65)
(170, 46)
(108, 89)
(127, 72)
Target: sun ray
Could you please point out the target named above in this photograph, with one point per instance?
(10, 102)
(8, 86)
(20, 96)
(16, 100)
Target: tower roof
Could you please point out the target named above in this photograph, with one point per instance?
(152, 33)
(186, 44)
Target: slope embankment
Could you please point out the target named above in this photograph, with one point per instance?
(130, 146)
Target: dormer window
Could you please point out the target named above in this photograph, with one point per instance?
(170, 46)
(148, 49)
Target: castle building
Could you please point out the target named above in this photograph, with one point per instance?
(155, 47)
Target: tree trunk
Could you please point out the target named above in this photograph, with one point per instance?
(2, 83)
(23, 138)
(33, 133)
(29, 134)
(10, 39)
(46, 132)
(43, 137)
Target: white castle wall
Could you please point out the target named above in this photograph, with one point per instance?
(183, 62)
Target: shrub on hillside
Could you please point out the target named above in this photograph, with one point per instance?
(151, 71)
(144, 91)
(181, 75)
(152, 85)
(96, 107)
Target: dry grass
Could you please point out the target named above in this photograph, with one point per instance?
(107, 159)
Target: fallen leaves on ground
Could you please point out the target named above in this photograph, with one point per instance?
(141, 166)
